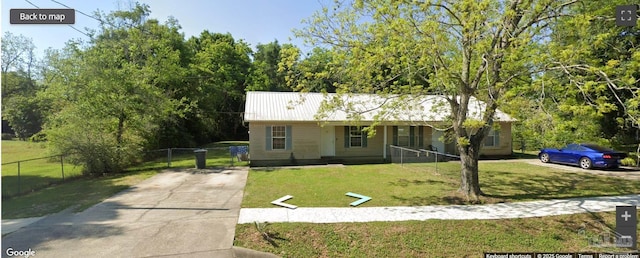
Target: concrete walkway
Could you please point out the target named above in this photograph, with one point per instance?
(450, 212)
(187, 213)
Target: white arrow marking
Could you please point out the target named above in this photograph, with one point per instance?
(280, 202)
(363, 198)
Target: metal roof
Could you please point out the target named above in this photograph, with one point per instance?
(294, 106)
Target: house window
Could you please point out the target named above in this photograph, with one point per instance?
(278, 137)
(355, 136)
(493, 139)
(408, 136)
(404, 136)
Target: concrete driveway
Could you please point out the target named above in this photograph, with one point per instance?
(622, 172)
(187, 213)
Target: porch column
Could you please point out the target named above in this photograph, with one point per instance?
(384, 140)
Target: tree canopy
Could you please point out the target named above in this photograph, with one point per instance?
(107, 108)
(460, 50)
(19, 85)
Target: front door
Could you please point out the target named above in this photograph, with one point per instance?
(328, 141)
(435, 140)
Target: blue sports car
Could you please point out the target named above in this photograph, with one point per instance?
(584, 155)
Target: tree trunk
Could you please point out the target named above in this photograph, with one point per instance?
(119, 135)
(120, 130)
(638, 156)
(470, 184)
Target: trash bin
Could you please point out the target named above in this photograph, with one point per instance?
(201, 158)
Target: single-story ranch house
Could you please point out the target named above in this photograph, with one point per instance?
(284, 129)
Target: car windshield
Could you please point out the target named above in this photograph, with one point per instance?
(597, 147)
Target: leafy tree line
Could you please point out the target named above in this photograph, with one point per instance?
(136, 85)
(19, 66)
(589, 93)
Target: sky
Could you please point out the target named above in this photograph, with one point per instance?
(254, 21)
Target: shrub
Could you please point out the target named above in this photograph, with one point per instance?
(631, 160)
(93, 147)
(7, 136)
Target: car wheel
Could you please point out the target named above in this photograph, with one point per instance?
(544, 157)
(585, 163)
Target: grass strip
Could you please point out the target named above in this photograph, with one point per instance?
(432, 238)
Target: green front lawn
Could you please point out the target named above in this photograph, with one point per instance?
(34, 174)
(14, 150)
(432, 238)
(421, 184)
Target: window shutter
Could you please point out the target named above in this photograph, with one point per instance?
(364, 138)
(395, 135)
(412, 136)
(268, 137)
(346, 137)
(496, 137)
(421, 136)
(287, 141)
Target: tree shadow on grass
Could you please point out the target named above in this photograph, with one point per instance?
(12, 186)
(430, 200)
(404, 182)
(519, 187)
(623, 169)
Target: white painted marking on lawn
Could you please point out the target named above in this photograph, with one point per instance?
(280, 202)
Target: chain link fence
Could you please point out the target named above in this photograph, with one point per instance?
(25, 176)
(402, 155)
(185, 157)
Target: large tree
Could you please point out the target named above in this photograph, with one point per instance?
(600, 63)
(587, 93)
(18, 53)
(109, 94)
(219, 71)
(265, 75)
(313, 73)
(460, 50)
(20, 107)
